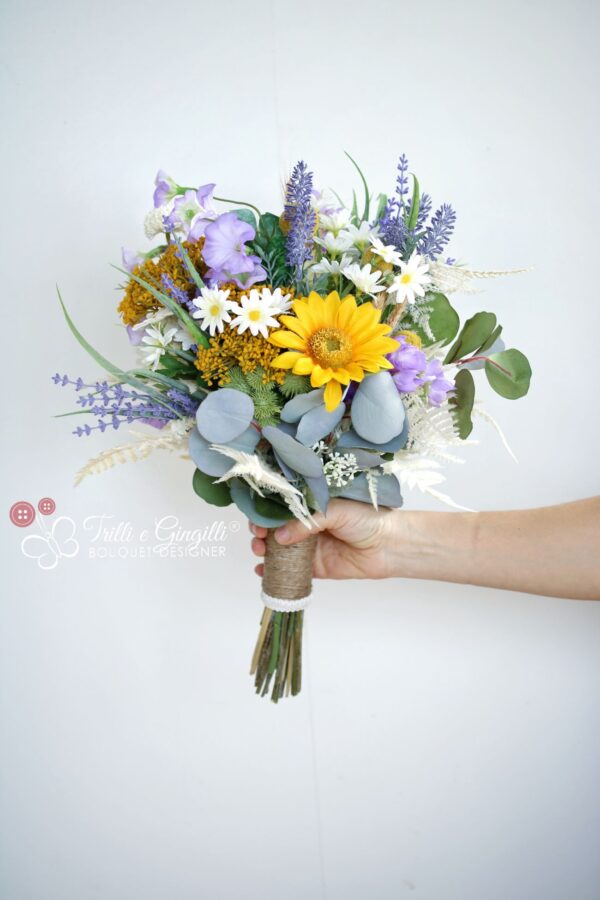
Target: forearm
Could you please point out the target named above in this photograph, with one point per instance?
(554, 551)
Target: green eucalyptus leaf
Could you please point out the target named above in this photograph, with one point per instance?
(509, 373)
(246, 501)
(246, 215)
(267, 506)
(443, 319)
(475, 333)
(491, 340)
(207, 488)
(462, 402)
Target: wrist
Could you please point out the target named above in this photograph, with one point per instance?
(431, 545)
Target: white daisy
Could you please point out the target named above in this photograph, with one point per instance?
(411, 281)
(335, 221)
(184, 338)
(153, 318)
(213, 308)
(253, 313)
(156, 341)
(335, 243)
(365, 279)
(386, 252)
(331, 266)
(278, 302)
(360, 237)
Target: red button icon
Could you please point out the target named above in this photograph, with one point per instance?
(47, 506)
(22, 514)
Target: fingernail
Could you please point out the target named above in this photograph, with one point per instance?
(282, 534)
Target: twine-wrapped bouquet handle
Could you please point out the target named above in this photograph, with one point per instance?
(286, 591)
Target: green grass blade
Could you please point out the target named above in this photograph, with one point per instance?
(365, 186)
(172, 305)
(414, 206)
(101, 360)
(188, 263)
(105, 363)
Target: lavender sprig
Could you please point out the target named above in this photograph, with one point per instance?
(113, 405)
(176, 293)
(402, 181)
(438, 233)
(428, 239)
(298, 212)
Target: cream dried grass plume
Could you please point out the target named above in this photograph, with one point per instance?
(261, 477)
(451, 279)
(174, 437)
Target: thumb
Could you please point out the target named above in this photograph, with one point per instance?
(294, 531)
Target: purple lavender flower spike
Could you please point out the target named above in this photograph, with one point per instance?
(176, 293)
(402, 180)
(299, 213)
(438, 232)
(409, 363)
(438, 386)
(115, 405)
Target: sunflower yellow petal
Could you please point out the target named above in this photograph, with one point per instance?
(355, 372)
(332, 395)
(319, 376)
(295, 324)
(303, 366)
(342, 375)
(285, 339)
(346, 310)
(286, 360)
(288, 339)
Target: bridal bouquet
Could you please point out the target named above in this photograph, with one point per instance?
(300, 355)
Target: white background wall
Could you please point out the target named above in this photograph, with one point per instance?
(446, 743)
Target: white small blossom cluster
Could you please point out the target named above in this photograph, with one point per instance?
(340, 469)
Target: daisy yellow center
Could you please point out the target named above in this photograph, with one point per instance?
(215, 309)
(330, 347)
(254, 315)
(406, 278)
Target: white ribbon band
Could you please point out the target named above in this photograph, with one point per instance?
(279, 605)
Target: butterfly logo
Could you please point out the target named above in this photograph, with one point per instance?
(52, 545)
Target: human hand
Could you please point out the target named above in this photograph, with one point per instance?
(353, 542)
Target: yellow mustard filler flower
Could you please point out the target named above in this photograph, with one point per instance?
(333, 340)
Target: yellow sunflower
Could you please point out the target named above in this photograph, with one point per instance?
(334, 341)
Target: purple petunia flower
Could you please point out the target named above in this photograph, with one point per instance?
(225, 251)
(438, 386)
(165, 188)
(131, 258)
(135, 337)
(409, 364)
(192, 212)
